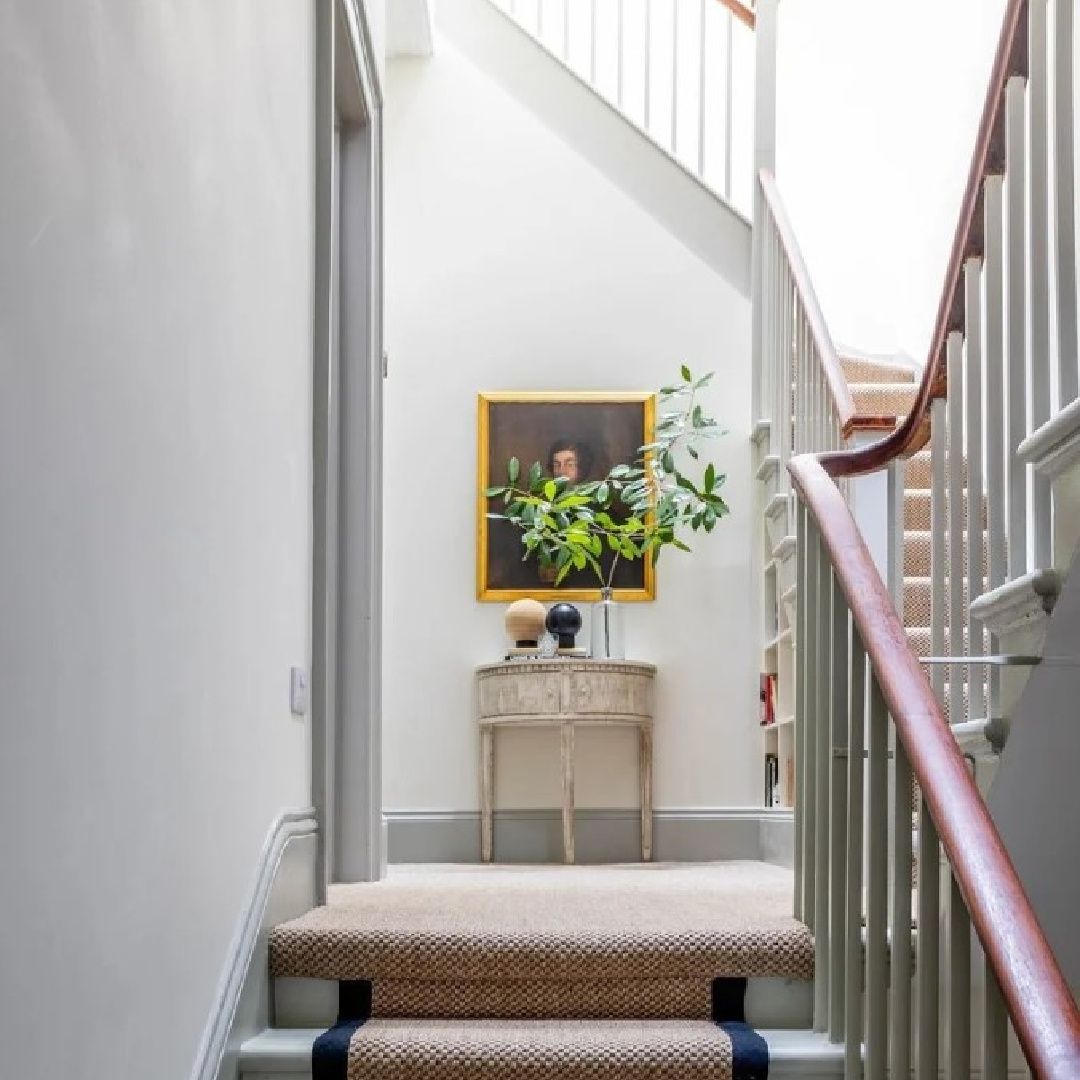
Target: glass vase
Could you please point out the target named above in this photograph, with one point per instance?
(606, 629)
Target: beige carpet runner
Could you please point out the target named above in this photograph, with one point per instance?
(521, 972)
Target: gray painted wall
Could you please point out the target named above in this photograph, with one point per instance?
(1034, 797)
(155, 475)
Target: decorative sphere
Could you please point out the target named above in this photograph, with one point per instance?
(564, 621)
(524, 622)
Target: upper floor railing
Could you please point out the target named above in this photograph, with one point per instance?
(682, 70)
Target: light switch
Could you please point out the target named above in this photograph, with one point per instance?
(300, 695)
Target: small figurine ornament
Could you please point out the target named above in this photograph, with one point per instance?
(524, 623)
(564, 621)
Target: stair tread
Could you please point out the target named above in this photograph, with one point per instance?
(278, 1049)
(574, 923)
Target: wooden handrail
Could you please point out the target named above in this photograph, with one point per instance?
(849, 420)
(741, 12)
(1038, 998)
(988, 159)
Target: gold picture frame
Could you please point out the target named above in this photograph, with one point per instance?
(604, 430)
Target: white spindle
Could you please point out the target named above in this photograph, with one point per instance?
(1038, 233)
(939, 443)
(620, 49)
(729, 74)
(993, 278)
(877, 916)
(702, 60)
(853, 946)
(822, 753)
(973, 415)
(954, 350)
(786, 376)
(592, 41)
(900, 938)
(768, 329)
(1065, 205)
(807, 725)
(648, 64)
(802, 675)
(929, 952)
(675, 78)
(958, 980)
(1016, 378)
(837, 765)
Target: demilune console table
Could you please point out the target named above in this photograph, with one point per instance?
(565, 694)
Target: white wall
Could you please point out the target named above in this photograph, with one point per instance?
(155, 432)
(513, 264)
(878, 106)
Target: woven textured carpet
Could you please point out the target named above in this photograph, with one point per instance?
(540, 1050)
(508, 924)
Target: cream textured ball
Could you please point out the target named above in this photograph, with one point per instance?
(525, 622)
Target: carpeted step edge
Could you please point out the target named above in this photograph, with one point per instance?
(285, 1054)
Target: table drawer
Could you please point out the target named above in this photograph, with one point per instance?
(521, 692)
(593, 693)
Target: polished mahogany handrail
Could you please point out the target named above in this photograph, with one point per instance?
(741, 12)
(1035, 991)
(988, 159)
(847, 416)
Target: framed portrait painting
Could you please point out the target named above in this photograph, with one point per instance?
(579, 435)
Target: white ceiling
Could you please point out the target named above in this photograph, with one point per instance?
(408, 28)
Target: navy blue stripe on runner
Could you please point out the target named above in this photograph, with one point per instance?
(330, 1051)
(728, 1000)
(749, 1051)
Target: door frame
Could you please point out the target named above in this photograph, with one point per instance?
(346, 676)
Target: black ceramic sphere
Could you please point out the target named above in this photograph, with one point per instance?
(564, 621)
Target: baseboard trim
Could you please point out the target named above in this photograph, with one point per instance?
(284, 887)
(602, 835)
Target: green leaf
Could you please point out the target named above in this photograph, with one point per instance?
(710, 477)
(704, 380)
(667, 462)
(603, 493)
(492, 492)
(513, 470)
(685, 372)
(536, 471)
(550, 490)
(681, 546)
(692, 452)
(696, 417)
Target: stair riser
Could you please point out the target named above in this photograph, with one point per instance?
(883, 399)
(771, 1003)
(874, 371)
(918, 548)
(917, 601)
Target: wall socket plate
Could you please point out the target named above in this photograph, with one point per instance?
(300, 691)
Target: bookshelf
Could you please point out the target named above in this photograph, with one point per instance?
(777, 681)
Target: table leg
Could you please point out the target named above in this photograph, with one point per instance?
(646, 793)
(487, 789)
(568, 791)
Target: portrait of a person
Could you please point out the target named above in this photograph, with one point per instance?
(573, 437)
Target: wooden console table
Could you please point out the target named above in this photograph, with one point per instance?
(565, 694)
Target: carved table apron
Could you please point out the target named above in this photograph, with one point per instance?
(564, 694)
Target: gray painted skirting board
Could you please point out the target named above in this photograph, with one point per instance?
(284, 887)
(535, 836)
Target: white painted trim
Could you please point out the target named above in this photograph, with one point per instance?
(1055, 446)
(210, 1058)
(603, 835)
(1018, 603)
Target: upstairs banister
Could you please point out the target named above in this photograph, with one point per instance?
(741, 12)
(1035, 991)
(1011, 59)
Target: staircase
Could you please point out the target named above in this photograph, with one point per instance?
(537, 972)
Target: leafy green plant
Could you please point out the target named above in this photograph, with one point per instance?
(636, 510)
